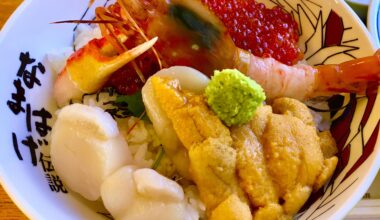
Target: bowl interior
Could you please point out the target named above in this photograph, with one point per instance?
(330, 33)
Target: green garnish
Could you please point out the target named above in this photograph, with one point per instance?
(133, 103)
(233, 96)
(159, 156)
(129, 105)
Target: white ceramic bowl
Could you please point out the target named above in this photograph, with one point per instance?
(373, 20)
(25, 169)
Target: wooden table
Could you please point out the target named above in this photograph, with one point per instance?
(8, 210)
(6, 9)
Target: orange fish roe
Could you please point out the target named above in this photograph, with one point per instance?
(263, 32)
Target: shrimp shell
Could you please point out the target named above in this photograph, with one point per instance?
(303, 82)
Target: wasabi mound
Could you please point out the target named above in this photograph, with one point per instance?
(233, 96)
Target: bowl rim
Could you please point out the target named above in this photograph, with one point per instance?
(370, 176)
(373, 20)
(359, 2)
(32, 213)
(15, 195)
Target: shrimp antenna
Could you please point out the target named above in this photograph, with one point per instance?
(102, 13)
(134, 23)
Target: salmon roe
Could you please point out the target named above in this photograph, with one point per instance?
(126, 81)
(263, 32)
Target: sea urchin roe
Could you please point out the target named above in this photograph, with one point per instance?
(263, 32)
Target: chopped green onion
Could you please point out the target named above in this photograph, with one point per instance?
(159, 156)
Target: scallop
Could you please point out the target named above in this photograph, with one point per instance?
(134, 194)
(118, 191)
(86, 147)
(152, 184)
(191, 80)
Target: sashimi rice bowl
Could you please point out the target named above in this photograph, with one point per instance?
(201, 109)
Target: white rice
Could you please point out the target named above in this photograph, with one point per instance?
(84, 33)
(143, 143)
(321, 119)
(57, 59)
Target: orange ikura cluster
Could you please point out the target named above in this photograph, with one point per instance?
(262, 31)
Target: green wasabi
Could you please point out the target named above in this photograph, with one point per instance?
(233, 96)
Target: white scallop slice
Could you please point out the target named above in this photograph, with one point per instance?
(86, 147)
(119, 192)
(151, 184)
(145, 209)
(130, 194)
(189, 78)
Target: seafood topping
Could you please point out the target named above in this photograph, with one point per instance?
(125, 81)
(199, 34)
(263, 32)
(189, 35)
(245, 159)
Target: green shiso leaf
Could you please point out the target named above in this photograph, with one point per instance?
(133, 104)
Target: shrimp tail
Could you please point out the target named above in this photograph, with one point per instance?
(302, 82)
(355, 76)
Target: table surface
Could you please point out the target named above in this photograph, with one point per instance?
(8, 210)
